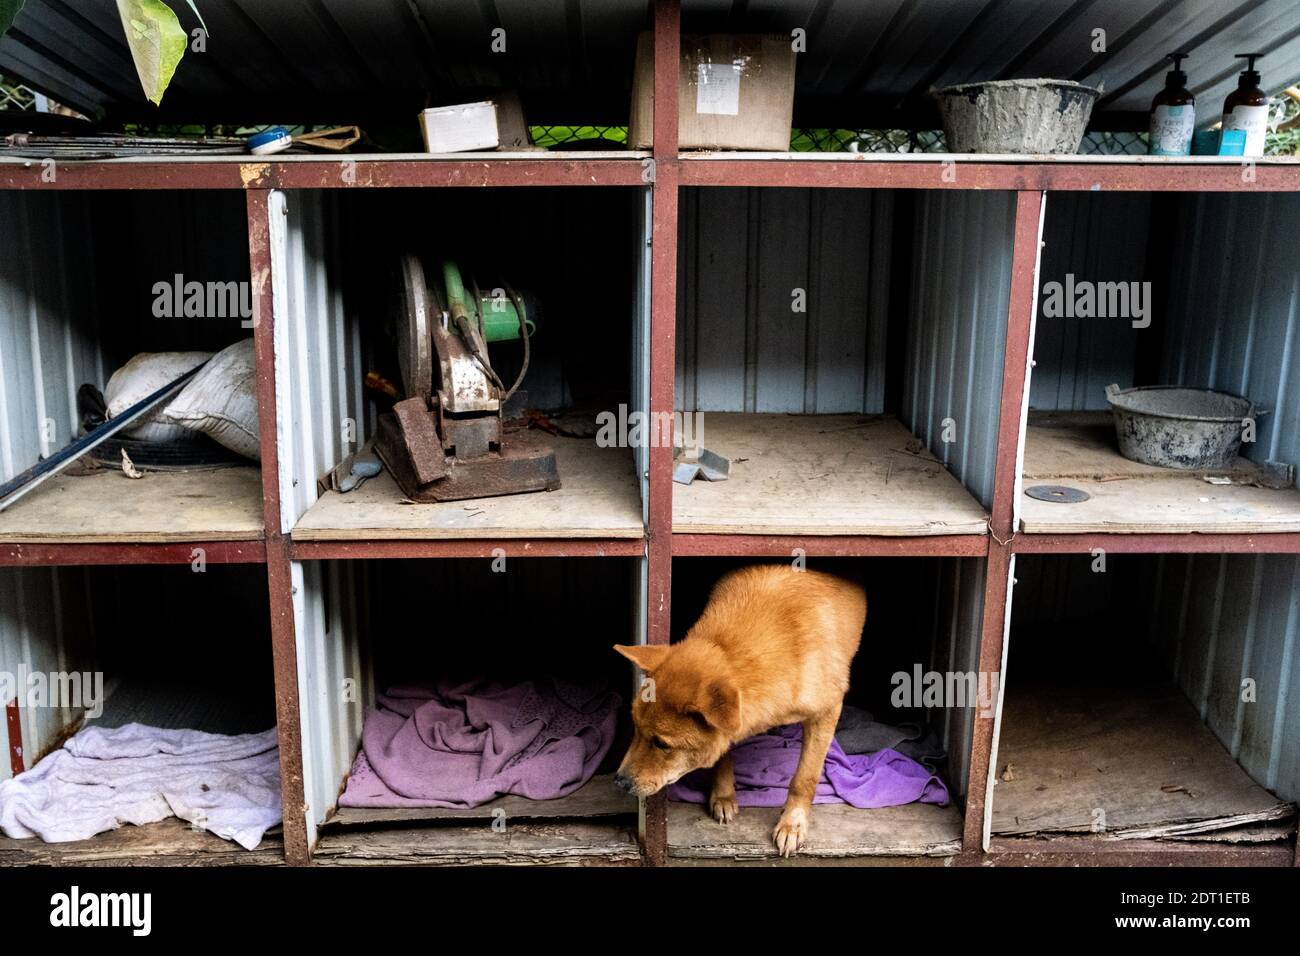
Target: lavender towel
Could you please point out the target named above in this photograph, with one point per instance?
(461, 745)
(765, 764)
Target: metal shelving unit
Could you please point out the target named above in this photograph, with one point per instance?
(664, 173)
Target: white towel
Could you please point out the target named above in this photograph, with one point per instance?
(102, 778)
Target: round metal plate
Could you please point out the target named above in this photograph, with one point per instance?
(1061, 494)
(414, 345)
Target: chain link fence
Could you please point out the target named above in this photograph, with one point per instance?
(15, 96)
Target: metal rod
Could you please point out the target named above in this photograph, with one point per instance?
(29, 480)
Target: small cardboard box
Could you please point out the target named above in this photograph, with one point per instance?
(459, 129)
(734, 92)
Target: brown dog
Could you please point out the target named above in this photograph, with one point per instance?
(772, 647)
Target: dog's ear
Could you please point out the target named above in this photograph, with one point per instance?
(645, 656)
(719, 704)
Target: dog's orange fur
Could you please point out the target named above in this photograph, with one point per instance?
(773, 647)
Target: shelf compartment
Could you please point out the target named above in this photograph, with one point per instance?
(599, 497)
(100, 286)
(1078, 449)
(895, 643)
(1183, 292)
(221, 504)
(823, 475)
(102, 623)
(1142, 755)
(588, 353)
(357, 624)
(1173, 726)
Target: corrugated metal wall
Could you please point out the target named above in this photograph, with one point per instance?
(1239, 618)
(45, 627)
(335, 677)
(319, 372)
(1212, 622)
(961, 282)
(49, 317)
(1095, 238)
(956, 648)
(744, 256)
(1234, 304)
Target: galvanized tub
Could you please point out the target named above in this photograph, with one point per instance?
(1016, 116)
(1175, 427)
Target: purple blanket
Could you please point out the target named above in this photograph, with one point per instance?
(765, 764)
(461, 745)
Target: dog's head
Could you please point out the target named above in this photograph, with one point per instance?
(686, 716)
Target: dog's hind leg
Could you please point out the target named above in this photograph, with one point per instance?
(722, 799)
(792, 829)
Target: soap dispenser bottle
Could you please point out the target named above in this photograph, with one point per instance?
(1246, 107)
(1173, 113)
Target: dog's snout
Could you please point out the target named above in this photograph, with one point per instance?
(623, 782)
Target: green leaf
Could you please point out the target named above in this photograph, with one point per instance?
(8, 10)
(157, 41)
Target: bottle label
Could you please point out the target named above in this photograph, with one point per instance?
(1254, 120)
(1171, 130)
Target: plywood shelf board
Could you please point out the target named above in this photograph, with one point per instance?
(169, 842)
(823, 475)
(1079, 450)
(1138, 754)
(598, 498)
(837, 831)
(598, 797)
(550, 844)
(219, 504)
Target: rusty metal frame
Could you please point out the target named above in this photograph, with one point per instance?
(1211, 543)
(279, 580)
(316, 173)
(469, 548)
(91, 553)
(663, 341)
(14, 727)
(830, 546)
(947, 172)
(1015, 375)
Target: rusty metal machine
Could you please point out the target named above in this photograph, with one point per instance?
(448, 438)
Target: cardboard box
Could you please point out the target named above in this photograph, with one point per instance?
(512, 128)
(459, 129)
(735, 92)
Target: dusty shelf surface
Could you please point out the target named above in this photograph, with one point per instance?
(562, 843)
(598, 497)
(598, 797)
(1079, 450)
(838, 830)
(219, 504)
(1135, 760)
(823, 475)
(170, 842)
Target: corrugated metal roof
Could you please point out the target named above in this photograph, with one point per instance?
(865, 64)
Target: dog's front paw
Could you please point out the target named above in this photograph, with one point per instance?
(791, 831)
(724, 809)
